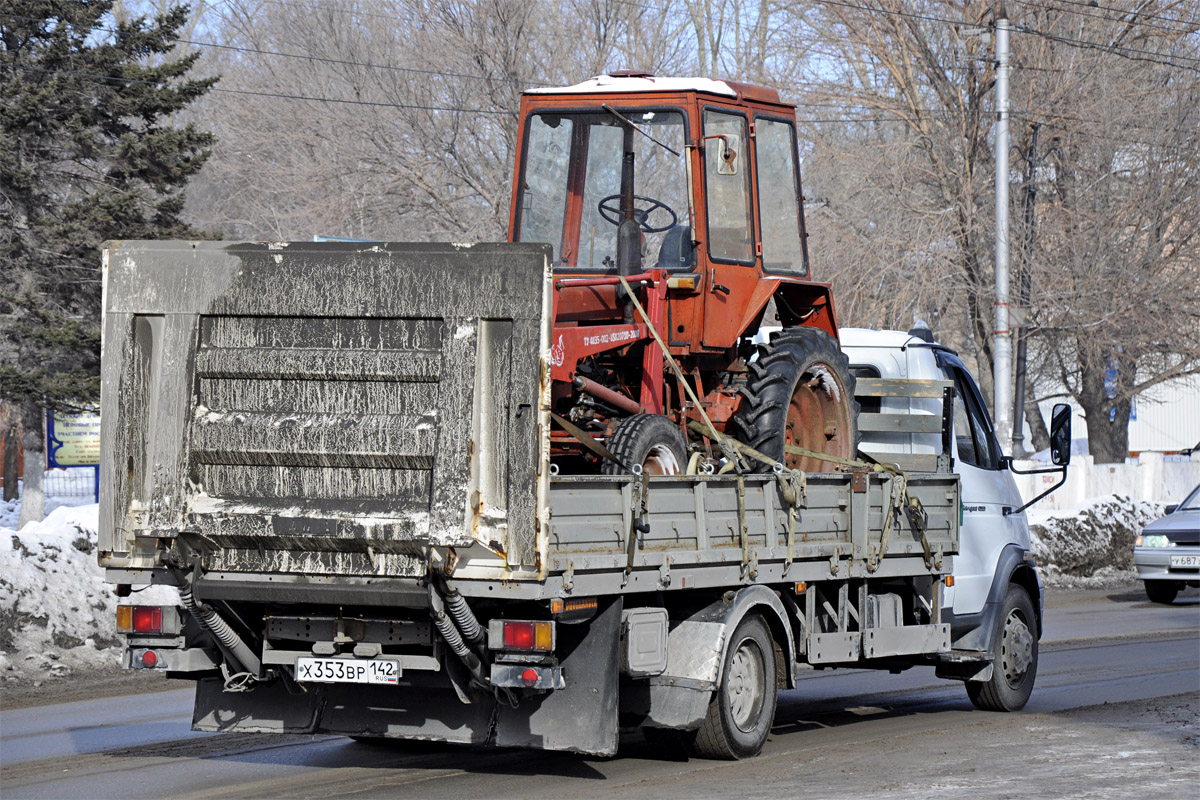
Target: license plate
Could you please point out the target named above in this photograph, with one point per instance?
(1186, 562)
(344, 670)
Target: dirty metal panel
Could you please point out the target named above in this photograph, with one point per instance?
(907, 640)
(323, 407)
(831, 648)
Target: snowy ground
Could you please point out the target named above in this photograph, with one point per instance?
(58, 616)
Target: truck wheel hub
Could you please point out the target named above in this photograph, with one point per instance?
(1016, 648)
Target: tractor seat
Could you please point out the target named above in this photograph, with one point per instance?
(676, 251)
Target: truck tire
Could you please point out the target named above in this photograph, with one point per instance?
(800, 392)
(1014, 665)
(742, 707)
(1161, 591)
(649, 440)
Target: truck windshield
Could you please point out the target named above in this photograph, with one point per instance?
(577, 210)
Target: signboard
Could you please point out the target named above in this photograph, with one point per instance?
(73, 440)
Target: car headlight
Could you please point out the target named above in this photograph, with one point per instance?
(1153, 540)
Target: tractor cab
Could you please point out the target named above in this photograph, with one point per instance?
(689, 190)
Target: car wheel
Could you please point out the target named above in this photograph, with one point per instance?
(742, 707)
(1014, 664)
(1161, 591)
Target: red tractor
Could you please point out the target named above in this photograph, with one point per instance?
(688, 189)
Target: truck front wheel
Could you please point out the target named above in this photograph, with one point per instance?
(1014, 665)
(742, 707)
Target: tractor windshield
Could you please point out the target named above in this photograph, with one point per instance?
(571, 186)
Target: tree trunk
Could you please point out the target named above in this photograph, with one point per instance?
(12, 460)
(1107, 417)
(33, 440)
(1038, 433)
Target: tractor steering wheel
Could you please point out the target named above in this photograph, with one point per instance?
(640, 215)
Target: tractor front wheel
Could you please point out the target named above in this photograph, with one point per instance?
(650, 441)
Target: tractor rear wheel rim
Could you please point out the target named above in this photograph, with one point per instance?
(818, 418)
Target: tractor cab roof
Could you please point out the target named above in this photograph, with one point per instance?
(630, 82)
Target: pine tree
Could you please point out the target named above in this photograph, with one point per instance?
(89, 151)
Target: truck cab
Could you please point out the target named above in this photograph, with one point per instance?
(995, 551)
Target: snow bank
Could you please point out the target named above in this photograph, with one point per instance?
(57, 614)
(1092, 542)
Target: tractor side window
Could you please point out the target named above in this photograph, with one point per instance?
(728, 189)
(778, 196)
(544, 191)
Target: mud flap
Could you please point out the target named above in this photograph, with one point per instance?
(582, 717)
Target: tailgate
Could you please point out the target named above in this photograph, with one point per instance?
(323, 408)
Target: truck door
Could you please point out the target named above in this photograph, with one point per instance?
(987, 492)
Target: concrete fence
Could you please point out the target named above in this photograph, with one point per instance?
(1150, 477)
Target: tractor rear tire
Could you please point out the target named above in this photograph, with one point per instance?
(800, 392)
(650, 441)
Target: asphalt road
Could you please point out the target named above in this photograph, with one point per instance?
(1114, 714)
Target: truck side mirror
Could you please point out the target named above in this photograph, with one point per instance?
(1060, 435)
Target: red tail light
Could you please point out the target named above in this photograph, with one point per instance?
(528, 635)
(147, 619)
(518, 635)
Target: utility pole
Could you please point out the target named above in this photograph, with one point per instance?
(1018, 437)
(1002, 343)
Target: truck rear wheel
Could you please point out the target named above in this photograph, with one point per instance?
(1161, 591)
(800, 392)
(1014, 665)
(742, 707)
(650, 441)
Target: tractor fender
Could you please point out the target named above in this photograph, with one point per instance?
(800, 302)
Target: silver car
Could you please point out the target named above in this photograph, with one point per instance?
(1167, 554)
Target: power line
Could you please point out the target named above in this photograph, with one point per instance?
(282, 96)
(1131, 53)
(1094, 7)
(321, 59)
(1115, 10)
(898, 13)
(1124, 51)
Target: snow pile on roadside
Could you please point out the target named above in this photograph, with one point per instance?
(1091, 543)
(57, 614)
